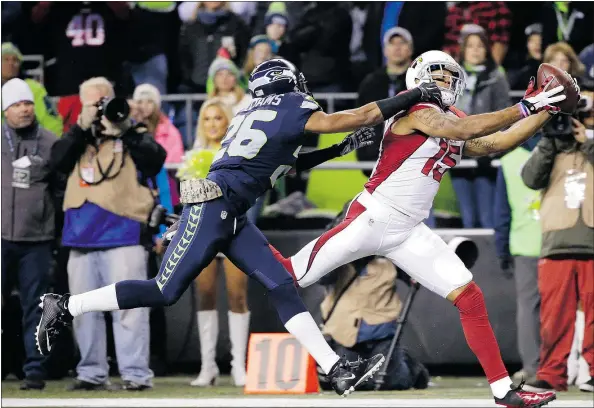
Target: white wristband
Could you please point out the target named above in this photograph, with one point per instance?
(590, 134)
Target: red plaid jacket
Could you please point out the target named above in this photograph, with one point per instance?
(493, 16)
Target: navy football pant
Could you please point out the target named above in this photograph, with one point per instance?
(205, 230)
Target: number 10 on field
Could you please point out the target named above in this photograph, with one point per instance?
(278, 364)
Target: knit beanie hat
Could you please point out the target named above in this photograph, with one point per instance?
(262, 38)
(276, 14)
(147, 91)
(9, 48)
(14, 91)
(223, 63)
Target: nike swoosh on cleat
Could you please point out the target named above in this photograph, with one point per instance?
(49, 347)
(351, 377)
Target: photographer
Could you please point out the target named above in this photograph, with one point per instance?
(562, 167)
(107, 206)
(359, 313)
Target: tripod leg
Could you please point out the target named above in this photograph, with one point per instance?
(379, 380)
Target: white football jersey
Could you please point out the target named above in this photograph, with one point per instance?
(408, 172)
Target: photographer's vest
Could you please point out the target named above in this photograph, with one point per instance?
(122, 195)
(524, 235)
(370, 297)
(554, 212)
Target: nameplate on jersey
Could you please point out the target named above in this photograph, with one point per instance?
(198, 191)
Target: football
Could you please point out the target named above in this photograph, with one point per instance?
(561, 78)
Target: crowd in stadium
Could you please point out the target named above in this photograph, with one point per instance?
(183, 68)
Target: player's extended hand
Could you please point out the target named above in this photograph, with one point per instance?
(430, 93)
(543, 98)
(359, 138)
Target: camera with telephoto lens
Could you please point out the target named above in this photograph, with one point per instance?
(115, 110)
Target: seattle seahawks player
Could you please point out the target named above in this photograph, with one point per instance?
(262, 143)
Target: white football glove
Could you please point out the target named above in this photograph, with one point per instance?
(543, 98)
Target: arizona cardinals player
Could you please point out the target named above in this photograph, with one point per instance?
(386, 218)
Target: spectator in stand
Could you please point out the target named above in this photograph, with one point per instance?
(147, 41)
(276, 22)
(519, 78)
(561, 166)
(224, 84)
(386, 82)
(567, 21)
(322, 38)
(148, 102)
(86, 41)
(28, 224)
(107, 208)
(45, 110)
(563, 56)
(486, 90)
(207, 27)
(261, 49)
(518, 241)
(213, 121)
(493, 16)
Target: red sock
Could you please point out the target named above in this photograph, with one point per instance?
(478, 332)
(285, 261)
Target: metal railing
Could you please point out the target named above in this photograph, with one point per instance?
(366, 165)
(329, 98)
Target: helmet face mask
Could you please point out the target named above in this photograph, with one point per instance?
(438, 67)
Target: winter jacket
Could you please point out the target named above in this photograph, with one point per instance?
(167, 135)
(28, 214)
(566, 230)
(100, 216)
(363, 301)
(199, 43)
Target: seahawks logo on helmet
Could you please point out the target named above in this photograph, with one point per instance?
(276, 76)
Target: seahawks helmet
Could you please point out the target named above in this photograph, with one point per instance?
(276, 76)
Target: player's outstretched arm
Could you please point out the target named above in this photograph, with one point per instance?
(373, 113)
(442, 125)
(359, 138)
(507, 139)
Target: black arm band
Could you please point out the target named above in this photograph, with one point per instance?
(391, 106)
(308, 160)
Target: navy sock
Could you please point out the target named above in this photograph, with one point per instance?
(139, 293)
(287, 301)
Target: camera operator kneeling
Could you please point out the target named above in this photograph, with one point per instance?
(107, 206)
(360, 312)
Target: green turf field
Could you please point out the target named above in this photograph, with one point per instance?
(178, 387)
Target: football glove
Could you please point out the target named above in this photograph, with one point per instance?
(170, 233)
(536, 100)
(359, 138)
(430, 93)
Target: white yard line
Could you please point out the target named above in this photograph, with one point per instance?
(263, 402)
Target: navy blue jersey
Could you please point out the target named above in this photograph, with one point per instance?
(261, 144)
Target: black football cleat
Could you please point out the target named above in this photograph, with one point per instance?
(54, 317)
(345, 376)
(520, 398)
